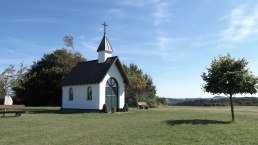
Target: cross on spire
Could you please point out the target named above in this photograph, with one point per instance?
(105, 25)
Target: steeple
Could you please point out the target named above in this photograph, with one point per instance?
(105, 50)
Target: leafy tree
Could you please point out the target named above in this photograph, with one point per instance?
(43, 84)
(141, 88)
(11, 78)
(7, 79)
(230, 77)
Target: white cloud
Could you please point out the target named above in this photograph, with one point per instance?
(116, 12)
(161, 13)
(10, 51)
(138, 3)
(243, 23)
(85, 43)
(89, 45)
(167, 47)
(36, 20)
(165, 42)
(160, 9)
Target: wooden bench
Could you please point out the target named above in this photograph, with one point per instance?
(17, 109)
(142, 105)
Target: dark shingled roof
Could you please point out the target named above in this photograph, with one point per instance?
(105, 45)
(92, 72)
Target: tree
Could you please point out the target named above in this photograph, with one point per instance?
(141, 88)
(68, 40)
(11, 78)
(43, 84)
(230, 77)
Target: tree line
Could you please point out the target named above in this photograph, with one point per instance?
(39, 85)
(243, 101)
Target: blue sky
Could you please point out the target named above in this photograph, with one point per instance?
(171, 40)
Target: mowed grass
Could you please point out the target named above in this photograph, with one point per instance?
(160, 126)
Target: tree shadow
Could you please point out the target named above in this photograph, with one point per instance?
(196, 122)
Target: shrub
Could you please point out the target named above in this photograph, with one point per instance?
(105, 108)
(161, 101)
(126, 108)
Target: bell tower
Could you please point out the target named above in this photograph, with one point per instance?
(104, 50)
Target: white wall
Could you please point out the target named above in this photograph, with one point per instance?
(103, 55)
(115, 73)
(80, 93)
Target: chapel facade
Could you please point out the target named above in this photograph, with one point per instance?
(92, 84)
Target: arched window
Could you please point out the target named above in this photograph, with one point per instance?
(89, 96)
(111, 87)
(70, 94)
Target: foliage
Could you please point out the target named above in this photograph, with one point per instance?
(68, 40)
(43, 84)
(105, 108)
(141, 88)
(126, 108)
(229, 76)
(11, 79)
(162, 101)
(40, 125)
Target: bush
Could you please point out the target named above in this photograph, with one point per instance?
(105, 108)
(126, 108)
(161, 101)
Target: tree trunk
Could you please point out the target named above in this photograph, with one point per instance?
(232, 107)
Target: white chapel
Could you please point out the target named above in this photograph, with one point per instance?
(92, 84)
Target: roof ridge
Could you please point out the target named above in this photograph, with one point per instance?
(88, 61)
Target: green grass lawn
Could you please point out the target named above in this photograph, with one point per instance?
(171, 125)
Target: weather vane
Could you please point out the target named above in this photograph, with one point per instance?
(105, 25)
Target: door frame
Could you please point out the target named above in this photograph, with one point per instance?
(111, 95)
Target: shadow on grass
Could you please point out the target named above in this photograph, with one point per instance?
(196, 121)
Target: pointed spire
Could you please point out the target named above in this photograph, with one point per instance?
(104, 44)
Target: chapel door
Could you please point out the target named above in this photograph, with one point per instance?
(111, 94)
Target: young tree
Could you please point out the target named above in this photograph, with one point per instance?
(230, 77)
(68, 40)
(11, 78)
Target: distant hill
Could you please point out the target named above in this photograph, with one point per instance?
(218, 97)
(173, 101)
(214, 101)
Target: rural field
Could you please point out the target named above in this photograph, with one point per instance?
(168, 125)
